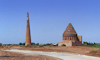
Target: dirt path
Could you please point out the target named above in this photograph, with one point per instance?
(6, 55)
(64, 56)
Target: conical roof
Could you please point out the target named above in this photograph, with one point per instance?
(70, 31)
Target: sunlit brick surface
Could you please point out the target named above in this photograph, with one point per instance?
(70, 37)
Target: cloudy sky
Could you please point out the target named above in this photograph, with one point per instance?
(48, 20)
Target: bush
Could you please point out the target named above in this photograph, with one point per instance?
(91, 44)
(28, 46)
(11, 46)
(41, 46)
(20, 43)
(0, 44)
(99, 50)
(63, 45)
(55, 45)
(93, 51)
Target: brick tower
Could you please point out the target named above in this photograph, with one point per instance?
(28, 35)
(70, 37)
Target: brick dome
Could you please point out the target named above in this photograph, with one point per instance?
(70, 33)
(70, 37)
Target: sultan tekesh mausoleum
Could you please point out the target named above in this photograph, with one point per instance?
(70, 37)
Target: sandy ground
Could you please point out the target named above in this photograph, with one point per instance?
(79, 51)
(64, 56)
(74, 49)
(5, 55)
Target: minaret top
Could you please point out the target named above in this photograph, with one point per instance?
(27, 14)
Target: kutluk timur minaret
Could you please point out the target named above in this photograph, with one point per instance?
(28, 35)
(70, 37)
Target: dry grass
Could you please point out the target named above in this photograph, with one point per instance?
(93, 51)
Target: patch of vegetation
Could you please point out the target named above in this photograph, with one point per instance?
(11, 46)
(21, 43)
(35, 45)
(99, 50)
(63, 45)
(93, 51)
(41, 46)
(91, 44)
(0, 44)
(28, 46)
(55, 45)
(50, 44)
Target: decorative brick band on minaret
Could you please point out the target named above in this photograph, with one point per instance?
(28, 35)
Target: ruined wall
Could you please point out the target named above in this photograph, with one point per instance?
(67, 43)
(77, 43)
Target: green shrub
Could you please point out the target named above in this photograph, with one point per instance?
(0, 44)
(41, 46)
(93, 51)
(28, 46)
(99, 50)
(63, 45)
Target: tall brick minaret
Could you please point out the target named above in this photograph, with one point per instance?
(28, 35)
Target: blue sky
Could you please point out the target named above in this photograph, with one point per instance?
(48, 20)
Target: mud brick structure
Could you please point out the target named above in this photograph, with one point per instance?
(70, 37)
(28, 35)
